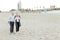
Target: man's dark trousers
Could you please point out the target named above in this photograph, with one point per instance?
(11, 27)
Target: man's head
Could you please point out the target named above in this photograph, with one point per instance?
(12, 14)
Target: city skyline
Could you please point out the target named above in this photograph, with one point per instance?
(6, 5)
(37, 4)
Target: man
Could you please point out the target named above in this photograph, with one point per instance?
(11, 22)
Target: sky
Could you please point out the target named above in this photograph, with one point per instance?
(6, 5)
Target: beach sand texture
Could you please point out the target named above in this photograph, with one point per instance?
(34, 26)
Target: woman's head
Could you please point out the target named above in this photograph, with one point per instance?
(17, 14)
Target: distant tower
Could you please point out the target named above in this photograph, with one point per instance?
(19, 5)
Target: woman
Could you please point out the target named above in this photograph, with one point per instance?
(11, 22)
(17, 22)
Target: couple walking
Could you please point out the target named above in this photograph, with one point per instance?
(14, 20)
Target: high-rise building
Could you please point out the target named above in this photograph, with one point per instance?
(19, 5)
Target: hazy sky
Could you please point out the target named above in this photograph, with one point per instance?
(6, 5)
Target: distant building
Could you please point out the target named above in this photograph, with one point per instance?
(52, 7)
(19, 5)
(12, 10)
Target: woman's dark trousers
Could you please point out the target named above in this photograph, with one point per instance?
(17, 26)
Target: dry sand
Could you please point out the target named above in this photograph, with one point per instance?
(34, 26)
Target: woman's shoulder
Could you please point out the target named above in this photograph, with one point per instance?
(19, 16)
